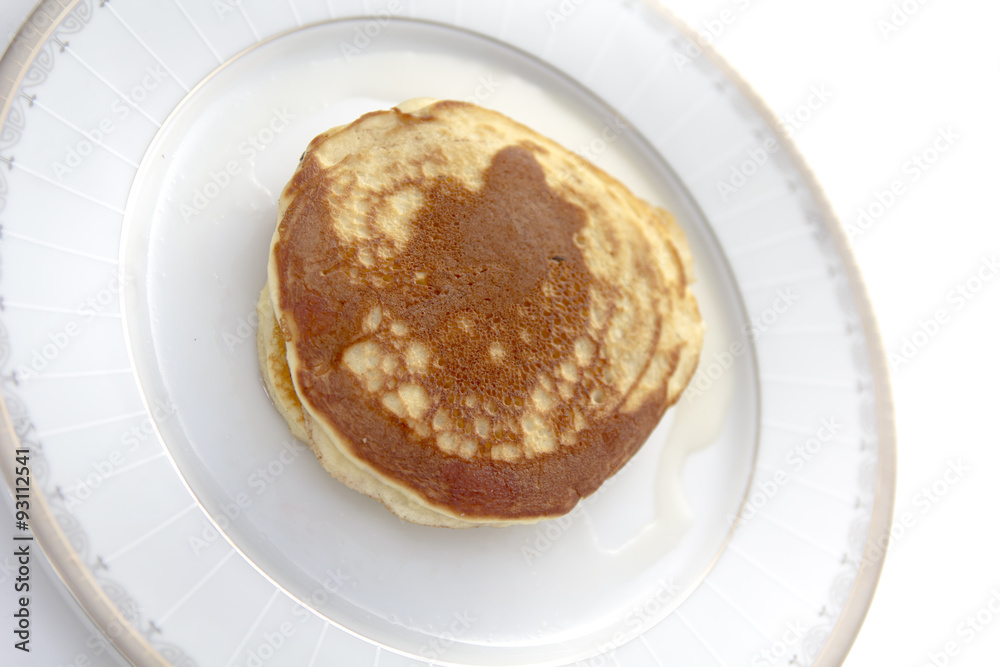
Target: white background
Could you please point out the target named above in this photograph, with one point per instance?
(892, 89)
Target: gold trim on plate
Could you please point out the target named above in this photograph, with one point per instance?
(86, 590)
(859, 600)
(73, 573)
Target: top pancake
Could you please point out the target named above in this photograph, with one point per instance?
(475, 315)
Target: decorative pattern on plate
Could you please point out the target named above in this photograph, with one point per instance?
(775, 231)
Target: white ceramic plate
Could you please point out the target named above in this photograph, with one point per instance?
(146, 146)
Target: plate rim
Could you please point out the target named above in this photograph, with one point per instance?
(94, 603)
(91, 602)
(862, 594)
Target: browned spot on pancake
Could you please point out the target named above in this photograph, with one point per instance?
(493, 285)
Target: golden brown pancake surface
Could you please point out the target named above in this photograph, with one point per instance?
(475, 316)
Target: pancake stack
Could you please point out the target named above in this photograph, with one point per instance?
(468, 322)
